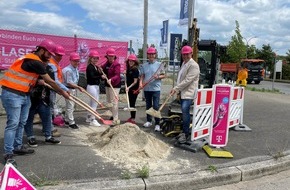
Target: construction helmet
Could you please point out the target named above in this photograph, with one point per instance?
(132, 57)
(74, 56)
(58, 120)
(59, 50)
(48, 45)
(186, 50)
(94, 53)
(111, 52)
(151, 50)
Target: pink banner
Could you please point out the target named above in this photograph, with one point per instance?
(220, 115)
(15, 44)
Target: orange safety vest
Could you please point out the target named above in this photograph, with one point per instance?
(243, 74)
(59, 71)
(18, 79)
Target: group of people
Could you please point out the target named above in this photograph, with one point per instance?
(30, 85)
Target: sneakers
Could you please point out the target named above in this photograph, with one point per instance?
(88, 120)
(131, 120)
(23, 151)
(147, 124)
(95, 123)
(182, 138)
(52, 141)
(73, 126)
(157, 128)
(9, 159)
(32, 142)
(55, 133)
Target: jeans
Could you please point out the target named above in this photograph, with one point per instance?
(17, 108)
(45, 115)
(152, 96)
(185, 109)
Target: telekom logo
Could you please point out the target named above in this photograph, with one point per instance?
(219, 138)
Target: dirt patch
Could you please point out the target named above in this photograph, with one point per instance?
(129, 146)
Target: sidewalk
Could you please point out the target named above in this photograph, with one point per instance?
(75, 164)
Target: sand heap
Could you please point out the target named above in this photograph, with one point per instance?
(130, 146)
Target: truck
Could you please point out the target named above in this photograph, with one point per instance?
(229, 71)
(255, 69)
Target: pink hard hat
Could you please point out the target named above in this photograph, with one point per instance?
(132, 57)
(74, 56)
(59, 50)
(111, 52)
(48, 45)
(58, 120)
(94, 53)
(186, 50)
(151, 50)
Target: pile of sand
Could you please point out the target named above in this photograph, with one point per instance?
(129, 146)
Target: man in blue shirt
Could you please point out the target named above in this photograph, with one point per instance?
(152, 90)
(71, 78)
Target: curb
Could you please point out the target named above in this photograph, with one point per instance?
(187, 181)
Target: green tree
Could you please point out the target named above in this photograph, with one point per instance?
(286, 71)
(251, 52)
(267, 54)
(287, 57)
(236, 49)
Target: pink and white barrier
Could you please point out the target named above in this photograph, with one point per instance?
(202, 111)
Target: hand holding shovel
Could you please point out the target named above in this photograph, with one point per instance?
(127, 98)
(109, 82)
(89, 109)
(157, 113)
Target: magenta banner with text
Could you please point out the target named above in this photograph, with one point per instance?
(15, 44)
(220, 115)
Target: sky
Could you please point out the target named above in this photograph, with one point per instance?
(261, 21)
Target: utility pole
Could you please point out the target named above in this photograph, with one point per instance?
(193, 31)
(145, 31)
(190, 17)
(274, 74)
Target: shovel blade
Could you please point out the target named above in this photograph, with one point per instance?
(107, 113)
(154, 113)
(107, 122)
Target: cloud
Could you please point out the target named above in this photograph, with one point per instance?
(123, 20)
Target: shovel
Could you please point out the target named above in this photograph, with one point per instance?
(155, 113)
(127, 98)
(116, 96)
(102, 105)
(89, 109)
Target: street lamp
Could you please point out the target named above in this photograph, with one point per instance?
(247, 42)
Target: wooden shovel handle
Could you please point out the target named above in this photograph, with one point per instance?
(88, 94)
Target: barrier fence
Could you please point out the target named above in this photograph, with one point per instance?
(201, 119)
